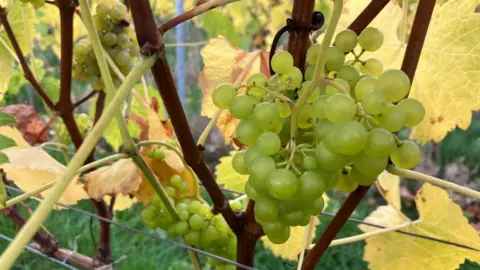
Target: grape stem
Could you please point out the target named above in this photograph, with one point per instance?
(335, 84)
(239, 198)
(318, 74)
(83, 169)
(363, 236)
(277, 95)
(433, 180)
(357, 57)
(203, 137)
(398, 142)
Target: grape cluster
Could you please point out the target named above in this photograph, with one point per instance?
(117, 39)
(346, 130)
(35, 3)
(84, 125)
(197, 225)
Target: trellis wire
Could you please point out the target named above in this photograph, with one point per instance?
(37, 252)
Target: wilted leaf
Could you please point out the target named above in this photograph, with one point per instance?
(122, 177)
(122, 202)
(290, 249)
(441, 219)
(7, 119)
(389, 186)
(227, 176)
(29, 124)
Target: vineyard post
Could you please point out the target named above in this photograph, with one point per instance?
(299, 39)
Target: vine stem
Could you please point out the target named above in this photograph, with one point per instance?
(307, 239)
(83, 169)
(363, 236)
(193, 13)
(335, 84)
(203, 137)
(433, 180)
(26, 233)
(318, 74)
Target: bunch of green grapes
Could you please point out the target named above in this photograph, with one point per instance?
(84, 124)
(35, 3)
(196, 225)
(117, 39)
(345, 134)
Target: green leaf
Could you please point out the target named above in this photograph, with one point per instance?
(7, 119)
(227, 176)
(21, 18)
(216, 23)
(51, 85)
(6, 142)
(3, 158)
(112, 135)
(138, 108)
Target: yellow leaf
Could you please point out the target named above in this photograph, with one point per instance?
(227, 176)
(290, 249)
(122, 176)
(30, 168)
(223, 64)
(15, 135)
(122, 202)
(389, 186)
(441, 219)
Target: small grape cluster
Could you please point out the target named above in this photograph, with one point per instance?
(346, 129)
(156, 153)
(197, 225)
(35, 3)
(84, 125)
(117, 39)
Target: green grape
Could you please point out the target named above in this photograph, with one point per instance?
(305, 117)
(192, 238)
(414, 111)
(236, 205)
(176, 181)
(247, 132)
(266, 209)
(266, 115)
(292, 218)
(330, 90)
(102, 10)
(148, 214)
(372, 66)
(238, 163)
(273, 80)
(312, 54)
(349, 74)
(282, 238)
(311, 186)
(321, 129)
(172, 232)
(134, 51)
(123, 41)
(310, 163)
(37, 3)
(181, 228)
(275, 228)
(293, 78)
(118, 12)
(282, 62)
(196, 222)
(122, 58)
(194, 207)
(98, 84)
(392, 119)
(305, 88)
(251, 192)
(394, 83)
(125, 69)
(150, 153)
(406, 156)
(346, 40)
(318, 107)
(327, 160)
(210, 233)
(364, 86)
(205, 211)
(223, 95)
(170, 192)
(159, 154)
(361, 179)
(257, 79)
(371, 39)
(183, 215)
(250, 154)
(369, 166)
(340, 108)
(374, 103)
(335, 59)
(261, 168)
(282, 184)
(93, 70)
(268, 143)
(232, 246)
(242, 106)
(380, 143)
(346, 183)
(109, 39)
(315, 208)
(309, 72)
(283, 108)
(81, 50)
(350, 138)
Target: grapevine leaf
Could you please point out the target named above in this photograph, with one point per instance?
(14, 134)
(440, 218)
(122, 202)
(227, 176)
(31, 167)
(6, 142)
(389, 186)
(290, 249)
(21, 19)
(3, 158)
(140, 105)
(223, 64)
(7, 119)
(29, 123)
(216, 23)
(51, 86)
(122, 177)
